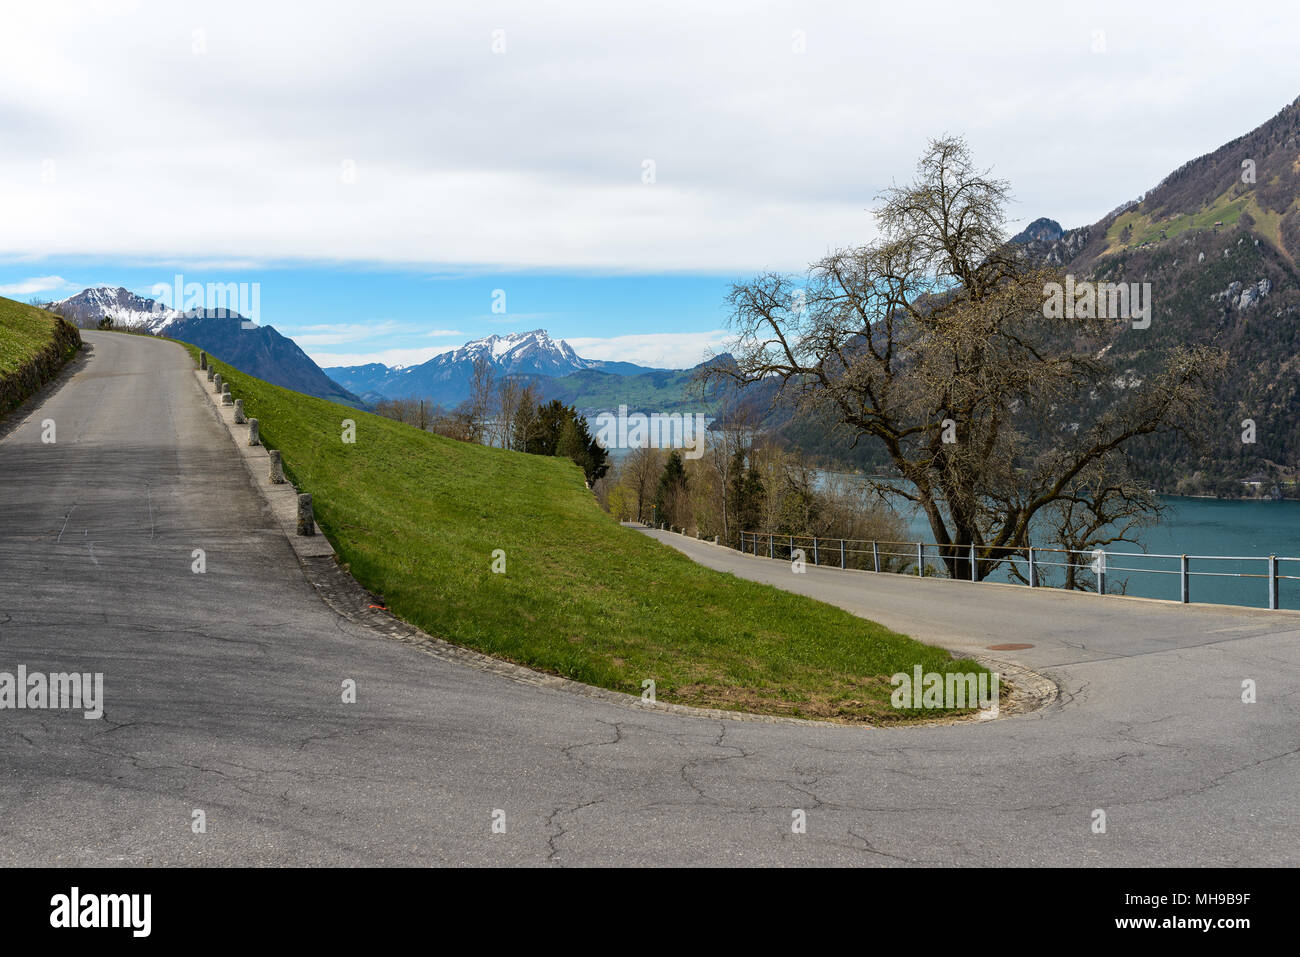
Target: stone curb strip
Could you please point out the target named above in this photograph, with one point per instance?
(281, 498)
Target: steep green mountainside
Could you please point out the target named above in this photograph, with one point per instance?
(1254, 181)
(1220, 253)
(1232, 289)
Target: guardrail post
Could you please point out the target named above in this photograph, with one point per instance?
(306, 521)
(920, 560)
(771, 546)
(1033, 569)
(842, 553)
(1182, 577)
(815, 562)
(875, 555)
(1101, 574)
(972, 565)
(791, 555)
(1272, 582)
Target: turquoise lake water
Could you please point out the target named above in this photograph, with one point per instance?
(1196, 526)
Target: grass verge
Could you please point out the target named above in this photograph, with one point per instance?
(34, 345)
(417, 518)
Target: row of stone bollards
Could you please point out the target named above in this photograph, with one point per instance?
(665, 527)
(306, 519)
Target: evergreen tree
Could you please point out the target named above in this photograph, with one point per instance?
(671, 484)
(557, 429)
(747, 494)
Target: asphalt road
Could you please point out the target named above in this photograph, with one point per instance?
(223, 694)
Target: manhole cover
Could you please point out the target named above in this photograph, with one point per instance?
(1010, 647)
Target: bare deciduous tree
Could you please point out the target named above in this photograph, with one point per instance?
(525, 422)
(479, 406)
(933, 342)
(508, 392)
(641, 470)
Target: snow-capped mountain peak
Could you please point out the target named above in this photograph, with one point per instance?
(532, 352)
(447, 377)
(118, 303)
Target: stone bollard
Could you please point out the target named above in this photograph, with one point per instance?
(216, 383)
(211, 373)
(715, 539)
(306, 524)
(277, 468)
(203, 361)
(239, 412)
(226, 397)
(254, 437)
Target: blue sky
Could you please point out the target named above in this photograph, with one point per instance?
(347, 315)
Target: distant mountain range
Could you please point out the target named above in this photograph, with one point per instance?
(533, 356)
(259, 350)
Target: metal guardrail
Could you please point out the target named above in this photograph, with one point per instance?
(1027, 561)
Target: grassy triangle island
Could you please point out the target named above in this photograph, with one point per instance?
(418, 517)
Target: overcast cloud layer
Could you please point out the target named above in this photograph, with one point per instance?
(391, 132)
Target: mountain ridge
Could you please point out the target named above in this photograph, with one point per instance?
(259, 350)
(446, 377)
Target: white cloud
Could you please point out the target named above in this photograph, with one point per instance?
(338, 333)
(663, 350)
(763, 157)
(27, 287)
(389, 357)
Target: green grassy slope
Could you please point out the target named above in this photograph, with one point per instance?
(24, 332)
(33, 346)
(417, 517)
